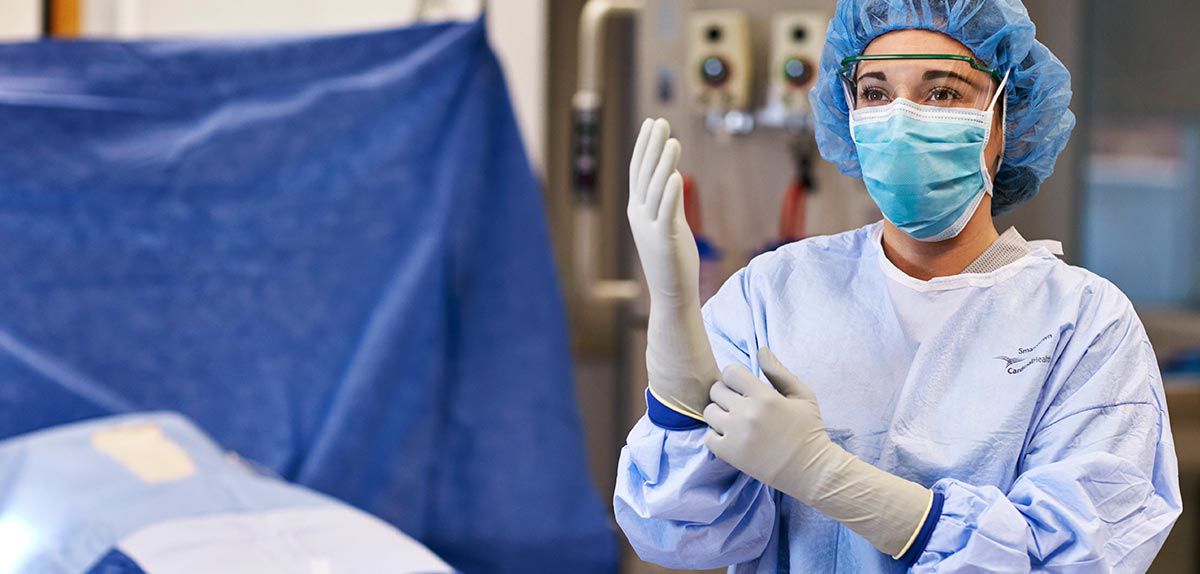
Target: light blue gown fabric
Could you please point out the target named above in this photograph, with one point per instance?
(1029, 397)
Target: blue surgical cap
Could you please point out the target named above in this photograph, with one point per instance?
(1001, 35)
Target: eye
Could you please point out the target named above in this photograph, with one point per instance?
(944, 95)
(872, 95)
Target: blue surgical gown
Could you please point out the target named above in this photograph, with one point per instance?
(1028, 397)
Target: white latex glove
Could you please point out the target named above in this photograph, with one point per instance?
(780, 439)
(678, 356)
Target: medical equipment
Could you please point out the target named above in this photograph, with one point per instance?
(720, 55)
(797, 38)
(938, 80)
(721, 69)
(745, 165)
(925, 165)
(674, 42)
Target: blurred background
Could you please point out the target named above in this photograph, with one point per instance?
(732, 77)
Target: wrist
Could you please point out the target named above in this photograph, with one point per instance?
(678, 335)
(818, 475)
(675, 304)
(676, 316)
(887, 510)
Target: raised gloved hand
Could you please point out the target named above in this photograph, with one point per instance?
(780, 439)
(678, 356)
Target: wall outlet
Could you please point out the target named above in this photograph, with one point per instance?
(797, 39)
(720, 64)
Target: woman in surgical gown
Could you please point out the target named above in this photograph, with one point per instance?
(982, 405)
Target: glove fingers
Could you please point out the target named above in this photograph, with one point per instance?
(637, 193)
(783, 380)
(740, 380)
(662, 173)
(672, 203)
(716, 418)
(659, 134)
(723, 397)
(715, 443)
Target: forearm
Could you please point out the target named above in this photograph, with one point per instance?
(679, 360)
(777, 436)
(1053, 519)
(887, 510)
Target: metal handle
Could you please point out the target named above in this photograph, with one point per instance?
(588, 105)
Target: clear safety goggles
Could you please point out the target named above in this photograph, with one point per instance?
(942, 80)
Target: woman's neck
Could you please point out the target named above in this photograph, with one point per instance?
(926, 261)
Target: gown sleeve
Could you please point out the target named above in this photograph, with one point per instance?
(678, 504)
(1098, 487)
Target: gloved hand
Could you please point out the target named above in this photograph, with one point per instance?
(678, 356)
(780, 439)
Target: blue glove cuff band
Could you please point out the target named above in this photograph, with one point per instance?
(662, 416)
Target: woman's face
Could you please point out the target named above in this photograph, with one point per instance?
(925, 81)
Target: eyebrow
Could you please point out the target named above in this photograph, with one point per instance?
(929, 75)
(939, 74)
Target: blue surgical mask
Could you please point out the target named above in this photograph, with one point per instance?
(924, 165)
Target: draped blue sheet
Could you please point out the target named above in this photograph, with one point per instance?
(330, 252)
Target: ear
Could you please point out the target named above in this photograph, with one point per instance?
(997, 141)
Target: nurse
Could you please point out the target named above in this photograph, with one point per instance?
(922, 393)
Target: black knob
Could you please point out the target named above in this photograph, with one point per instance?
(798, 71)
(714, 71)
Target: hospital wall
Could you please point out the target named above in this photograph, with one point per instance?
(1138, 199)
(20, 19)
(1054, 212)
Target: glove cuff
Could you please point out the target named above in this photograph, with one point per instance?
(887, 510)
(679, 361)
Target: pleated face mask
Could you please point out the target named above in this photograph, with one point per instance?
(924, 165)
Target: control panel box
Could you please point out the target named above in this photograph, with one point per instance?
(720, 62)
(797, 39)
